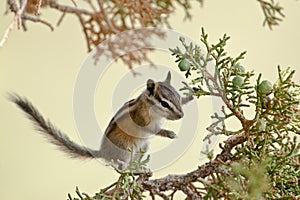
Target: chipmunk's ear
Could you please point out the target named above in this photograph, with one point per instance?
(187, 99)
(151, 86)
(168, 79)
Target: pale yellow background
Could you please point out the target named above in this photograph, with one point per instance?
(43, 66)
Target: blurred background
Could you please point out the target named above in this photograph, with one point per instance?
(43, 66)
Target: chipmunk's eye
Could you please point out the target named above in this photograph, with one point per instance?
(164, 104)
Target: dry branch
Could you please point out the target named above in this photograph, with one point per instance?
(98, 23)
(109, 18)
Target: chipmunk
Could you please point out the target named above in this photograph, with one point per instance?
(130, 128)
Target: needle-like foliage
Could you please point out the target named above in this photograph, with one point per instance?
(259, 161)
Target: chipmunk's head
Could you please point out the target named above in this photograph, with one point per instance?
(164, 99)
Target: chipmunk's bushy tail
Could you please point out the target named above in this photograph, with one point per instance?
(54, 135)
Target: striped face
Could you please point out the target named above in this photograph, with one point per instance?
(165, 101)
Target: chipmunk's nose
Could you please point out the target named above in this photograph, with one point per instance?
(179, 114)
(175, 116)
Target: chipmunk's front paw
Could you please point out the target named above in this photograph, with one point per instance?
(167, 133)
(172, 135)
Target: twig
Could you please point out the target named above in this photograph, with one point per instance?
(21, 17)
(108, 22)
(75, 3)
(17, 19)
(7, 31)
(60, 19)
(91, 5)
(36, 19)
(20, 12)
(85, 33)
(67, 9)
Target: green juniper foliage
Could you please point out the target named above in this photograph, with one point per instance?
(259, 161)
(270, 154)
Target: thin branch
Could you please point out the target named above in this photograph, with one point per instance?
(37, 19)
(75, 3)
(7, 31)
(85, 32)
(91, 5)
(20, 12)
(60, 19)
(16, 20)
(108, 22)
(67, 9)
